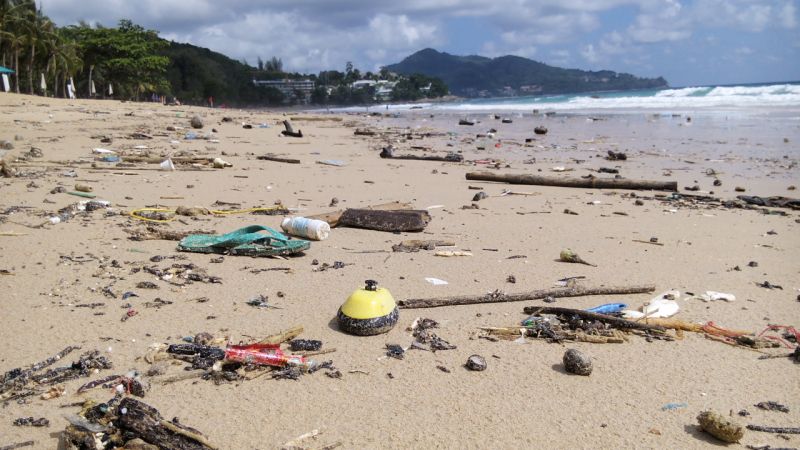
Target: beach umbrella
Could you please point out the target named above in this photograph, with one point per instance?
(5, 70)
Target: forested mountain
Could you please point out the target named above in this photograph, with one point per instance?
(473, 76)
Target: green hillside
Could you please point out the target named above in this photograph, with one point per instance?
(473, 76)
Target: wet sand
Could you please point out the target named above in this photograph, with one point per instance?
(524, 397)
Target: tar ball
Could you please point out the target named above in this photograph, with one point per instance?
(577, 363)
(476, 363)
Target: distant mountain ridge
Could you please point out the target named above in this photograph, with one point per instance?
(479, 76)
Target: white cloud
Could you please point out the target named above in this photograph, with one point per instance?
(310, 35)
(788, 15)
(590, 54)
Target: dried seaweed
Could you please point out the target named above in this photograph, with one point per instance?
(31, 422)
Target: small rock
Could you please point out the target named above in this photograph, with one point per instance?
(578, 363)
(540, 130)
(721, 428)
(6, 145)
(334, 202)
(159, 368)
(717, 182)
(479, 196)
(395, 351)
(476, 363)
(197, 122)
(203, 338)
(738, 189)
(638, 203)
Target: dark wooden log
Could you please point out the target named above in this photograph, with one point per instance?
(289, 131)
(577, 291)
(411, 220)
(388, 153)
(146, 422)
(588, 315)
(333, 217)
(278, 159)
(595, 183)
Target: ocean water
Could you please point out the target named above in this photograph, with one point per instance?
(752, 97)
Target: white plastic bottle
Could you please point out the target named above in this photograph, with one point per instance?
(317, 230)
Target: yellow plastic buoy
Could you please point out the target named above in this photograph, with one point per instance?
(368, 311)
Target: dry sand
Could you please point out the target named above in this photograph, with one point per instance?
(524, 398)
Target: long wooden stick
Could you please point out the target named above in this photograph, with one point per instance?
(278, 159)
(283, 336)
(577, 291)
(598, 183)
(188, 434)
(615, 321)
(780, 430)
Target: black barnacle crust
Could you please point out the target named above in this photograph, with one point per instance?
(368, 327)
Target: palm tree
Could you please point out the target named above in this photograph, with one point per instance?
(8, 11)
(16, 42)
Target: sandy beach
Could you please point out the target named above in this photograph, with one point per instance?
(524, 398)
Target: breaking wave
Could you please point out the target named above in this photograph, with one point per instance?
(768, 95)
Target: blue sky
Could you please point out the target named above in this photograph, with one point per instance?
(689, 42)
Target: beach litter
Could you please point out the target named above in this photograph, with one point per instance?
(130, 423)
(715, 424)
(567, 255)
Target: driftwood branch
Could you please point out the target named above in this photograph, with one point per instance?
(289, 131)
(779, 430)
(415, 245)
(18, 445)
(388, 153)
(583, 314)
(577, 291)
(283, 336)
(278, 159)
(333, 217)
(153, 233)
(598, 183)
